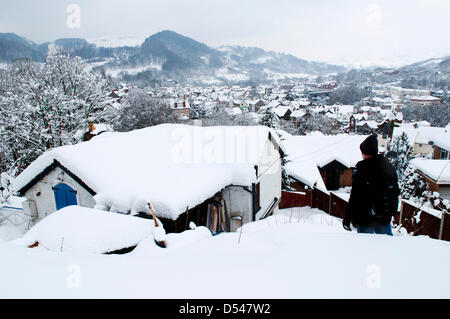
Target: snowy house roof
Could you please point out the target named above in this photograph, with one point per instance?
(371, 124)
(298, 113)
(281, 111)
(443, 140)
(419, 135)
(158, 164)
(273, 104)
(424, 98)
(427, 134)
(437, 170)
(345, 109)
(233, 111)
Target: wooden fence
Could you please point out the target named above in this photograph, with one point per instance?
(295, 199)
(416, 220)
(424, 221)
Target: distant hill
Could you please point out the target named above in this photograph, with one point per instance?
(434, 64)
(14, 47)
(168, 54)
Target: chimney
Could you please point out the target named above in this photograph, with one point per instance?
(91, 127)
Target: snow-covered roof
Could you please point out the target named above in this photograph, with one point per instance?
(438, 170)
(443, 140)
(421, 134)
(427, 134)
(371, 124)
(81, 229)
(160, 164)
(424, 98)
(322, 150)
(345, 109)
(233, 111)
(298, 113)
(281, 111)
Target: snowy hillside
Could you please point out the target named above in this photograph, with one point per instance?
(169, 54)
(119, 41)
(301, 253)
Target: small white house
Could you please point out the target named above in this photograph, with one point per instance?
(218, 177)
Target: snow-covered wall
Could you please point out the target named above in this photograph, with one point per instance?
(239, 203)
(269, 177)
(42, 192)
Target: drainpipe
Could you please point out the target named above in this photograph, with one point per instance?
(253, 193)
(253, 201)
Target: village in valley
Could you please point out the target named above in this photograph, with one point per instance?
(160, 169)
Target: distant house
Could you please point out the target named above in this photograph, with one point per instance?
(254, 106)
(326, 162)
(355, 120)
(181, 108)
(436, 173)
(336, 175)
(283, 112)
(441, 145)
(441, 151)
(219, 177)
(424, 100)
(421, 137)
(383, 129)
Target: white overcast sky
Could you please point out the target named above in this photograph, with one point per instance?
(338, 31)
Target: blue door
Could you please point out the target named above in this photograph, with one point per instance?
(64, 196)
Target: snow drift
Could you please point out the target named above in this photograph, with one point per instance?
(86, 230)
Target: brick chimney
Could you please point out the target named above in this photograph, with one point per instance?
(91, 127)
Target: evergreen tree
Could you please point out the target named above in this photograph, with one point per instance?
(199, 112)
(269, 118)
(404, 154)
(286, 181)
(413, 185)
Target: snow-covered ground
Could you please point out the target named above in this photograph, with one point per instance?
(299, 253)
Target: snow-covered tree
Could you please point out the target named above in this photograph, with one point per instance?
(139, 110)
(404, 154)
(269, 118)
(412, 185)
(311, 122)
(43, 106)
(5, 186)
(199, 112)
(286, 181)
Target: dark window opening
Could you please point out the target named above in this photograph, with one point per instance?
(257, 203)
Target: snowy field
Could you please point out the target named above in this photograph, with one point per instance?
(299, 253)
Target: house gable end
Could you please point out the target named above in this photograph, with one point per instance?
(46, 171)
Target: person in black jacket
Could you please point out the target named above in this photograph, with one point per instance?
(372, 174)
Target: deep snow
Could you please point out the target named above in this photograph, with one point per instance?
(300, 253)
